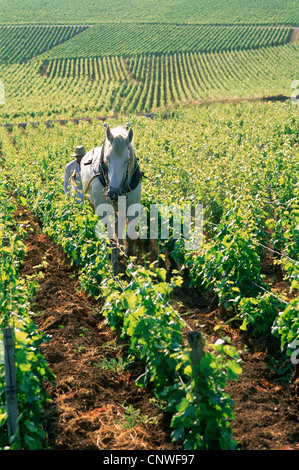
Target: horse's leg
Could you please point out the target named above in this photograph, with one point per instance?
(111, 229)
(136, 214)
(114, 253)
(131, 242)
(119, 235)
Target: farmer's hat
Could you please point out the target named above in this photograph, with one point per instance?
(79, 152)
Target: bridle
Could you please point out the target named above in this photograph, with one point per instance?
(103, 174)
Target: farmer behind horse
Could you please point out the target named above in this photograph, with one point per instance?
(72, 174)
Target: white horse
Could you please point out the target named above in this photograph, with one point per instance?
(109, 172)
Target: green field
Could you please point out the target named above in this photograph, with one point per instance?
(159, 11)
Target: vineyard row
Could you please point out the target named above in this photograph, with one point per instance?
(31, 368)
(125, 39)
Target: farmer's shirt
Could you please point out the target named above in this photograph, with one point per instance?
(72, 180)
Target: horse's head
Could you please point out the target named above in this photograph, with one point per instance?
(119, 157)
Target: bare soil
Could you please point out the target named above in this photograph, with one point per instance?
(91, 406)
(44, 71)
(294, 35)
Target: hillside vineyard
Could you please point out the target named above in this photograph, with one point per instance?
(91, 87)
(192, 344)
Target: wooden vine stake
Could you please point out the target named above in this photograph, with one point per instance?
(195, 341)
(10, 383)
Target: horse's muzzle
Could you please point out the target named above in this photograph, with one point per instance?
(113, 193)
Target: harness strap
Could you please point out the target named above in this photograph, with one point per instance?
(103, 168)
(102, 174)
(136, 177)
(89, 182)
(94, 176)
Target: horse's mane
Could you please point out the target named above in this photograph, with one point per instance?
(119, 145)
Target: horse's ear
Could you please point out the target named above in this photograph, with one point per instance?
(130, 137)
(109, 135)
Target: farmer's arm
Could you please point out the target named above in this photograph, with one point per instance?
(67, 175)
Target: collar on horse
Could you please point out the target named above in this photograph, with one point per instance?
(103, 174)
